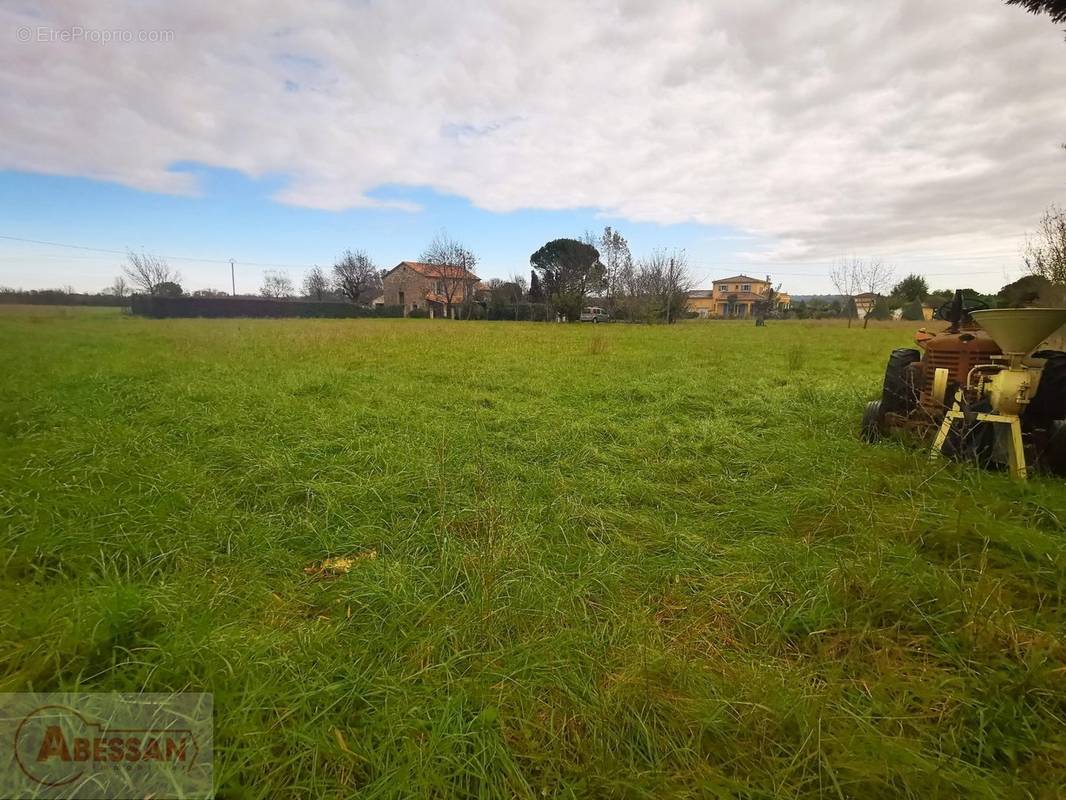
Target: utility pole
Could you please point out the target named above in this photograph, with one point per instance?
(669, 290)
(232, 279)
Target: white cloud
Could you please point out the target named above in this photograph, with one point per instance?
(830, 126)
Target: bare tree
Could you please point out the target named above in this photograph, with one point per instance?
(453, 269)
(276, 284)
(357, 277)
(875, 277)
(521, 286)
(148, 272)
(118, 287)
(316, 284)
(846, 277)
(851, 275)
(615, 255)
(627, 290)
(519, 289)
(663, 280)
(1045, 252)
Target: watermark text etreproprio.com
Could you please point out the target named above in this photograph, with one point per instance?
(46, 34)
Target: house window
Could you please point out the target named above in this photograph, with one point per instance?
(746, 287)
(401, 298)
(440, 287)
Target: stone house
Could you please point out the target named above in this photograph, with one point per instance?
(415, 285)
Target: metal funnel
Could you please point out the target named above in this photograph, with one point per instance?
(1020, 330)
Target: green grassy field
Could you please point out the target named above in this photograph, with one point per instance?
(591, 561)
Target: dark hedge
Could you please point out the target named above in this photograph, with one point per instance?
(161, 307)
(59, 297)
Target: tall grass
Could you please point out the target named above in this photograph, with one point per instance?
(621, 561)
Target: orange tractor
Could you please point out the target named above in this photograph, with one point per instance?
(977, 389)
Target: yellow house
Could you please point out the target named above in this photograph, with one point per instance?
(734, 298)
(702, 302)
(927, 311)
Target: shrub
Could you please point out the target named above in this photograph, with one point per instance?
(881, 309)
(912, 311)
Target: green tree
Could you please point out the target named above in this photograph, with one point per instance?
(168, 289)
(938, 297)
(1023, 292)
(536, 293)
(913, 287)
(568, 269)
(1056, 9)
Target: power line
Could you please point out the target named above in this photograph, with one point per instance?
(979, 256)
(59, 244)
(161, 255)
(962, 260)
(958, 274)
(708, 268)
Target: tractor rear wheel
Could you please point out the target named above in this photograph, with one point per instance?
(899, 394)
(1049, 404)
(871, 422)
(1053, 457)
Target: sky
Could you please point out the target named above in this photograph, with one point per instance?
(764, 137)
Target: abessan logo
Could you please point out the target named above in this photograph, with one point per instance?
(107, 745)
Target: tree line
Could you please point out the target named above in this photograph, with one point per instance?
(565, 275)
(597, 269)
(1044, 257)
(568, 274)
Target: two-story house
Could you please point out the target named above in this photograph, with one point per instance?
(734, 298)
(864, 303)
(440, 290)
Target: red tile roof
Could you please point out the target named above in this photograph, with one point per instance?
(437, 270)
(740, 279)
